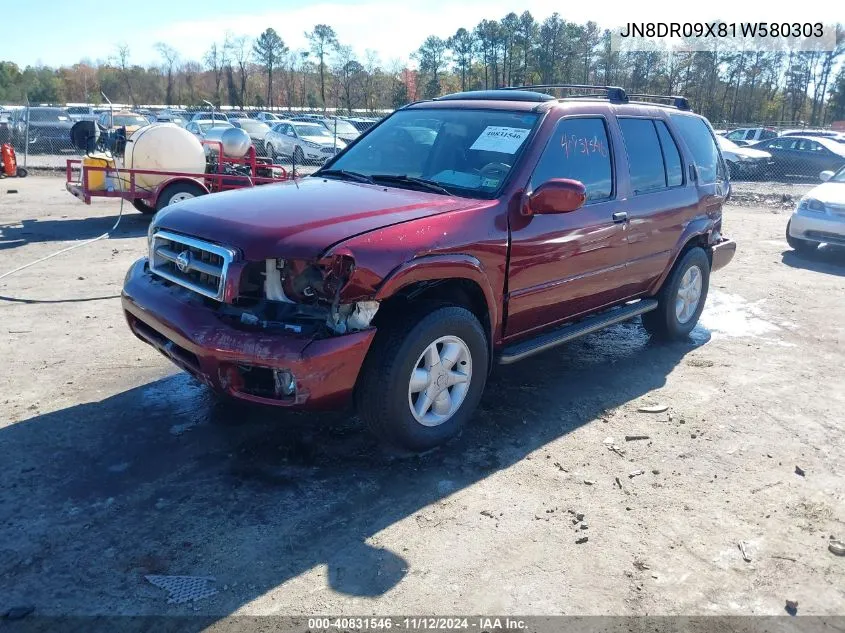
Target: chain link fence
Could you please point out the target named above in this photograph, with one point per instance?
(298, 140)
(302, 140)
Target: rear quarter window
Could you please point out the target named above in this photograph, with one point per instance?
(702, 146)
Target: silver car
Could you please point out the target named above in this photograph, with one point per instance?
(302, 141)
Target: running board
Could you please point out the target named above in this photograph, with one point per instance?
(571, 331)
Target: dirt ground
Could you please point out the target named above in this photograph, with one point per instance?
(116, 466)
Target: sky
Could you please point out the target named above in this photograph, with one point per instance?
(55, 32)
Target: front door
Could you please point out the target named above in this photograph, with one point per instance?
(566, 264)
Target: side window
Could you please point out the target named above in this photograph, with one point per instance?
(578, 149)
(736, 135)
(768, 134)
(671, 156)
(702, 146)
(750, 135)
(290, 131)
(645, 159)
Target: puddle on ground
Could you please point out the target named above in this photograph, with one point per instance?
(732, 316)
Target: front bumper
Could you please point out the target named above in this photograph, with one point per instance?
(721, 253)
(183, 327)
(817, 226)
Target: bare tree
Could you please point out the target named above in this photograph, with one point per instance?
(170, 57)
(123, 64)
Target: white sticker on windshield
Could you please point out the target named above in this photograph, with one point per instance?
(500, 139)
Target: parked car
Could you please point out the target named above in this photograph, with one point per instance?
(257, 131)
(132, 121)
(802, 155)
(399, 273)
(747, 135)
(200, 128)
(82, 113)
(268, 117)
(209, 116)
(820, 214)
(301, 141)
(49, 129)
(831, 134)
(344, 129)
(743, 162)
(362, 124)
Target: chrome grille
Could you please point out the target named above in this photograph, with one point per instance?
(195, 264)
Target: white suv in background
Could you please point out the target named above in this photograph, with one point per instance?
(820, 216)
(747, 135)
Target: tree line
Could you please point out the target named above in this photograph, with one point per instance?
(724, 85)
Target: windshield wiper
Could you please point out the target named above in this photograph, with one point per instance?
(422, 183)
(346, 175)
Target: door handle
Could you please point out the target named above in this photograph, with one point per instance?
(619, 217)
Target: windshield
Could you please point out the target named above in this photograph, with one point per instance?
(48, 115)
(129, 120)
(725, 143)
(204, 126)
(468, 152)
(839, 176)
(311, 129)
(343, 127)
(254, 127)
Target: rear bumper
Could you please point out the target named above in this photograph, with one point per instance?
(183, 327)
(721, 254)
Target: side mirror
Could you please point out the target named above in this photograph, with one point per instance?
(558, 195)
(826, 175)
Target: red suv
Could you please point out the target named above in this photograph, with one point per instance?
(473, 229)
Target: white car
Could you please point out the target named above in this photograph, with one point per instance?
(301, 141)
(743, 162)
(268, 117)
(820, 215)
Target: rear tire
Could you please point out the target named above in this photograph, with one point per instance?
(799, 245)
(681, 299)
(143, 207)
(394, 378)
(177, 192)
(22, 173)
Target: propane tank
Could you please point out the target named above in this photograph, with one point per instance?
(163, 147)
(235, 141)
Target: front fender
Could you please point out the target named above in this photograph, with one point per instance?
(437, 267)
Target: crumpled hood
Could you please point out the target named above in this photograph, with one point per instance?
(300, 220)
(829, 193)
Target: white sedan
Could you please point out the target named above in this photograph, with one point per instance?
(820, 216)
(303, 142)
(743, 162)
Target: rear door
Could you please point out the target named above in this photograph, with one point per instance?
(566, 264)
(660, 203)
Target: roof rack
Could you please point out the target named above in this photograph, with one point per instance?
(614, 94)
(498, 95)
(681, 103)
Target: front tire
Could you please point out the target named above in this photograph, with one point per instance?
(423, 378)
(799, 245)
(298, 156)
(681, 299)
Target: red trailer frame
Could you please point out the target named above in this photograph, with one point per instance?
(80, 188)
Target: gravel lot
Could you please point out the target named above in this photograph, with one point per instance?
(116, 466)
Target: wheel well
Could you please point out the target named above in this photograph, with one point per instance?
(696, 240)
(438, 292)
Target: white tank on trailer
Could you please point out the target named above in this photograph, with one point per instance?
(163, 147)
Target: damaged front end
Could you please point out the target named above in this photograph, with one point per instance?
(300, 297)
